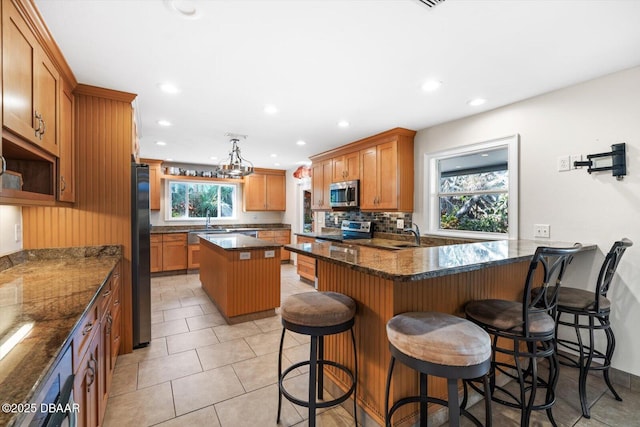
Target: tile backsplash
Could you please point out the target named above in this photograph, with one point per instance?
(383, 222)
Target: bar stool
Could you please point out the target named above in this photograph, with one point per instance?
(576, 304)
(525, 331)
(317, 314)
(442, 345)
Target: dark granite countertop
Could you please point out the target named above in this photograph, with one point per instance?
(422, 263)
(164, 229)
(237, 242)
(52, 289)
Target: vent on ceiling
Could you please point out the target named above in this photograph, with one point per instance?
(431, 3)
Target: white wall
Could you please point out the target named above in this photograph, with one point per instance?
(9, 216)
(582, 119)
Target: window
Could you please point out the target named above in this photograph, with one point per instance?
(192, 200)
(473, 190)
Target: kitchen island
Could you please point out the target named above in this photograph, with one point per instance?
(385, 283)
(241, 275)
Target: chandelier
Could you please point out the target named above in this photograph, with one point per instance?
(236, 166)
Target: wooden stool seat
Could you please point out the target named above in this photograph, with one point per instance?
(318, 309)
(439, 338)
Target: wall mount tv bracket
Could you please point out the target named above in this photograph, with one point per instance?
(617, 166)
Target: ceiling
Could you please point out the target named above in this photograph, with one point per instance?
(322, 61)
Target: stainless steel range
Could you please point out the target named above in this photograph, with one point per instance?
(350, 230)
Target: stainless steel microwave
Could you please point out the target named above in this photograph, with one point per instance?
(345, 194)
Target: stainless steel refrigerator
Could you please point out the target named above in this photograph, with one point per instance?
(140, 255)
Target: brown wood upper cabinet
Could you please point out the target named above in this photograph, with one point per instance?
(321, 178)
(347, 167)
(265, 190)
(66, 160)
(155, 182)
(385, 170)
(31, 83)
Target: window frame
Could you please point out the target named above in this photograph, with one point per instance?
(432, 184)
(168, 199)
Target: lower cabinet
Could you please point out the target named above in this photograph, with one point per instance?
(96, 345)
(278, 236)
(193, 256)
(306, 266)
(156, 253)
(174, 251)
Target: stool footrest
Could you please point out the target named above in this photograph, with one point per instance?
(326, 403)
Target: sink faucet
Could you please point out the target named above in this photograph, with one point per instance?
(207, 222)
(415, 232)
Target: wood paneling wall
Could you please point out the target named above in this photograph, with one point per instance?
(102, 212)
(378, 301)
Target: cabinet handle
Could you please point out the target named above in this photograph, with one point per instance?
(87, 329)
(3, 165)
(44, 127)
(107, 293)
(64, 184)
(38, 117)
(91, 372)
(110, 323)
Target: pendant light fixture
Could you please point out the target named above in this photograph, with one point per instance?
(236, 166)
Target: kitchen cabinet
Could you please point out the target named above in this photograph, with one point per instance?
(155, 182)
(321, 177)
(346, 167)
(174, 251)
(30, 83)
(282, 237)
(156, 253)
(193, 257)
(66, 159)
(265, 190)
(306, 266)
(86, 392)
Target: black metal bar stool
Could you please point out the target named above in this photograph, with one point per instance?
(525, 331)
(318, 314)
(576, 304)
(442, 345)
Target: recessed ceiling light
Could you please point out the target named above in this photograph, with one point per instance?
(273, 155)
(183, 8)
(168, 88)
(343, 124)
(458, 167)
(484, 155)
(475, 102)
(169, 160)
(213, 158)
(164, 122)
(161, 143)
(431, 85)
(276, 164)
(270, 109)
(301, 142)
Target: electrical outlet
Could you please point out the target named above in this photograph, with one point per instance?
(17, 232)
(575, 158)
(335, 220)
(564, 163)
(400, 223)
(541, 230)
(245, 255)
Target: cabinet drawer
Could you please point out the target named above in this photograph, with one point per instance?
(156, 238)
(104, 300)
(307, 270)
(266, 234)
(86, 330)
(304, 239)
(116, 298)
(281, 233)
(175, 237)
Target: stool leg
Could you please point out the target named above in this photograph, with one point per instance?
(280, 375)
(424, 414)
(355, 378)
(387, 416)
(454, 409)
(582, 365)
(487, 401)
(611, 345)
(320, 367)
(313, 368)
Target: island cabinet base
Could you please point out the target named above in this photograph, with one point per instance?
(242, 289)
(380, 299)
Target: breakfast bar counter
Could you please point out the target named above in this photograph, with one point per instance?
(241, 275)
(385, 283)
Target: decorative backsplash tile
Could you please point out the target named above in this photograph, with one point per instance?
(383, 222)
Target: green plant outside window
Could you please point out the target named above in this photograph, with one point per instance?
(192, 200)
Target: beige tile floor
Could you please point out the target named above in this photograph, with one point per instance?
(199, 371)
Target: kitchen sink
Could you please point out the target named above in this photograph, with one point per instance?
(193, 235)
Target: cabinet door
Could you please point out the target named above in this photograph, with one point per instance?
(254, 192)
(154, 187)
(86, 386)
(369, 181)
(320, 180)
(275, 193)
(19, 48)
(104, 361)
(46, 88)
(66, 160)
(387, 175)
(156, 253)
(347, 167)
(194, 256)
(174, 252)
